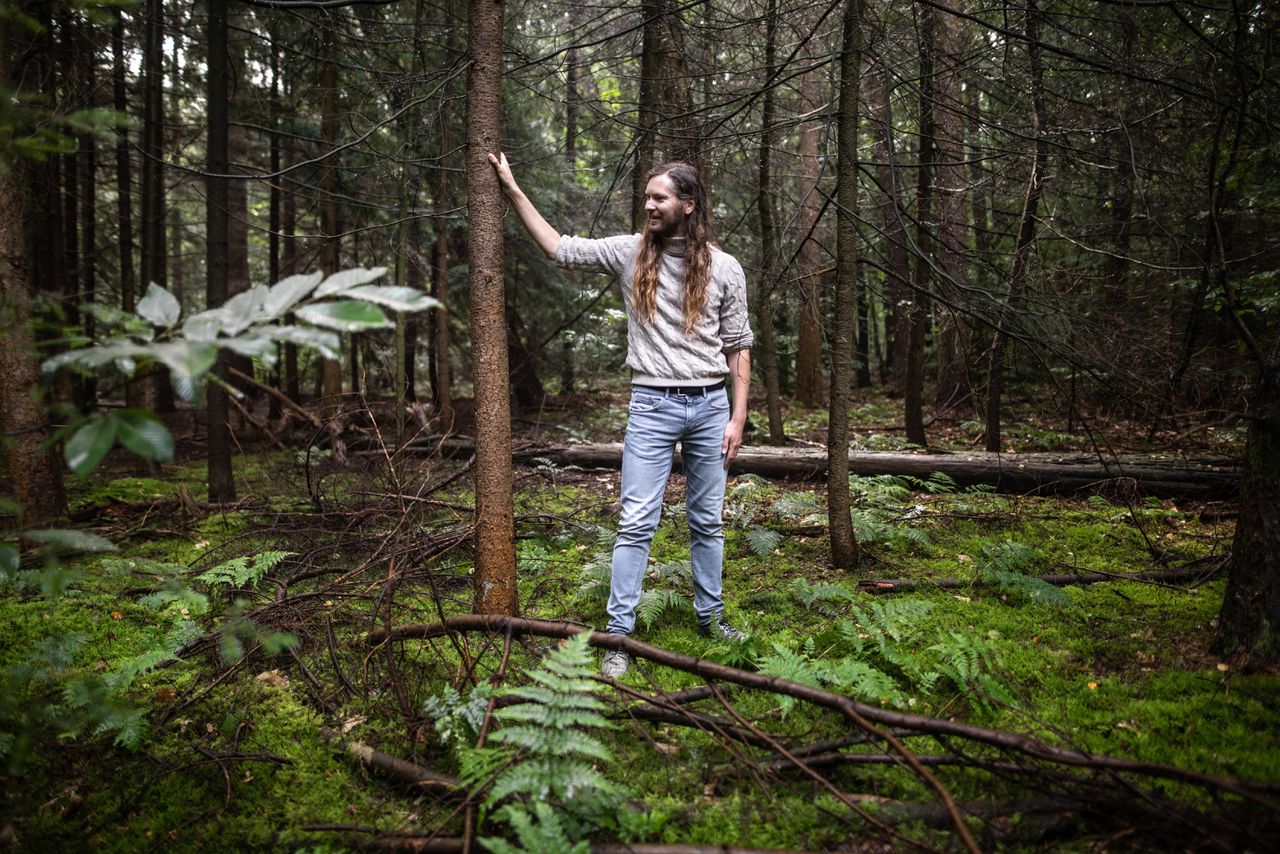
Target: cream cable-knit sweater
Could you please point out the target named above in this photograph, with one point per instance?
(659, 352)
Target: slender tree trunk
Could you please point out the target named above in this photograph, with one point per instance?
(495, 573)
(89, 227)
(952, 199)
(442, 374)
(289, 252)
(765, 344)
(844, 547)
(221, 482)
(34, 472)
(573, 71)
(1249, 623)
(135, 390)
(898, 323)
(809, 258)
(918, 311)
(330, 369)
(1026, 233)
(273, 211)
(647, 109)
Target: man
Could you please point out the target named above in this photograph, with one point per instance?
(687, 328)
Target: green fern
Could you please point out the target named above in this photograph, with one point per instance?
(763, 540)
(243, 571)
(539, 832)
(792, 666)
(824, 594)
(1006, 566)
(797, 508)
(543, 750)
(655, 603)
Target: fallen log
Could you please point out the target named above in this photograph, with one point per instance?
(1157, 476)
(1161, 577)
(400, 770)
(1006, 472)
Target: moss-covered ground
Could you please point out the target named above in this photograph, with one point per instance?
(228, 753)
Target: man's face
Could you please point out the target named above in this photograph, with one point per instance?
(665, 211)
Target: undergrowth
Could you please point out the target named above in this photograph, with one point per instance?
(1119, 668)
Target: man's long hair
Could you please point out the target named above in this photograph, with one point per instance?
(697, 253)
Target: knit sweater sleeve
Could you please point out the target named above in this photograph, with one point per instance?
(601, 255)
(735, 323)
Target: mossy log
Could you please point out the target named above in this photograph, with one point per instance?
(1157, 476)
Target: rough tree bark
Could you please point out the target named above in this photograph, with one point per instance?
(765, 344)
(1026, 231)
(221, 484)
(34, 472)
(952, 198)
(808, 261)
(647, 109)
(918, 311)
(1249, 623)
(495, 573)
(895, 235)
(330, 369)
(844, 547)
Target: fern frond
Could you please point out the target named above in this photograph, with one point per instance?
(653, 603)
(243, 571)
(763, 540)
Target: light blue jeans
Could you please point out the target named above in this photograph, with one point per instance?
(656, 421)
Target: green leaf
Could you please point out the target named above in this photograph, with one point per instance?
(144, 434)
(286, 293)
(159, 307)
(88, 445)
(204, 326)
(95, 357)
(244, 309)
(188, 359)
(345, 316)
(322, 340)
(70, 540)
(345, 279)
(393, 297)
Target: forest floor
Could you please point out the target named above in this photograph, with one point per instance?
(114, 745)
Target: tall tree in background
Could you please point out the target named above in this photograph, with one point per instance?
(330, 369)
(221, 483)
(808, 261)
(34, 471)
(765, 344)
(844, 547)
(495, 575)
(951, 193)
(1025, 240)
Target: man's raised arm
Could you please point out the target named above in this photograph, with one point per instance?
(547, 238)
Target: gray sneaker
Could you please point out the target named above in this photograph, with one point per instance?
(616, 663)
(721, 630)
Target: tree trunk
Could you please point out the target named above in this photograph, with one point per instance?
(495, 573)
(34, 471)
(441, 371)
(809, 259)
(273, 212)
(1026, 233)
(918, 311)
(647, 109)
(330, 369)
(844, 547)
(1078, 473)
(765, 345)
(952, 198)
(221, 482)
(898, 323)
(1249, 623)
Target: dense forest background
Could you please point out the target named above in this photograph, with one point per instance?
(1027, 226)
